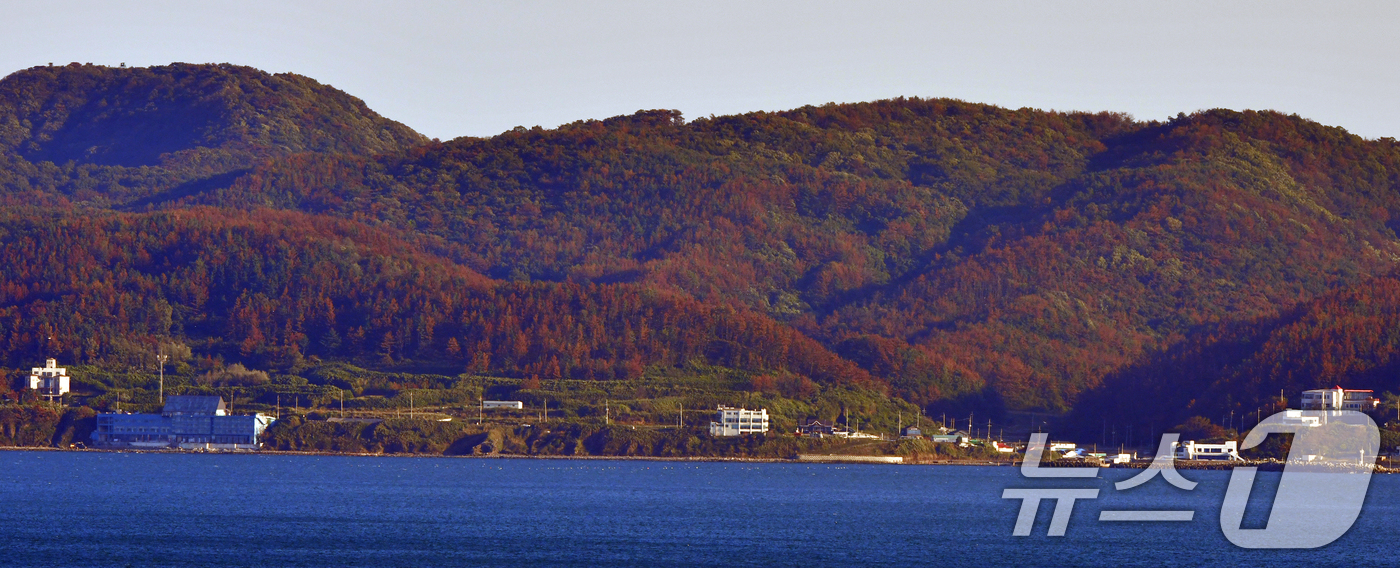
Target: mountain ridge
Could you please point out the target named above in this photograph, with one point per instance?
(954, 253)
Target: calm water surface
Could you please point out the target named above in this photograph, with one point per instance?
(110, 509)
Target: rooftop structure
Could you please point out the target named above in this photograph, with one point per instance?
(50, 380)
(176, 405)
(739, 421)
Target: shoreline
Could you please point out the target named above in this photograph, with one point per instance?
(836, 459)
(1193, 465)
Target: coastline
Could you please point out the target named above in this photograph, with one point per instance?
(1194, 465)
(493, 456)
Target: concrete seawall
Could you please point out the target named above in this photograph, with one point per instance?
(849, 459)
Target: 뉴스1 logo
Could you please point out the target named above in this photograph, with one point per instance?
(1320, 492)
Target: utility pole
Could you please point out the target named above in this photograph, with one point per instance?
(162, 357)
(410, 405)
(607, 413)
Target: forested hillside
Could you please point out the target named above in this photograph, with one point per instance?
(128, 138)
(271, 288)
(950, 253)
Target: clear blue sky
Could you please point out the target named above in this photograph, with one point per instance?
(451, 69)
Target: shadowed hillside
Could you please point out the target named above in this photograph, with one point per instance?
(1349, 337)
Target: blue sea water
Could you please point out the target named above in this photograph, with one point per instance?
(132, 509)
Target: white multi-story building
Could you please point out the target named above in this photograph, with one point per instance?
(50, 380)
(739, 421)
(1191, 450)
(1338, 398)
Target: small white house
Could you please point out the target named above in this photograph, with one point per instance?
(1191, 450)
(739, 421)
(1298, 418)
(50, 380)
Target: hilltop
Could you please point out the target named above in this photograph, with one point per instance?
(115, 135)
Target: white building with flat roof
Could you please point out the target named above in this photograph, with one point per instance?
(1338, 398)
(1298, 418)
(739, 421)
(50, 380)
(1192, 450)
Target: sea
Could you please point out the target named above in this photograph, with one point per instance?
(163, 509)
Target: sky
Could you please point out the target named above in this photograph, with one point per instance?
(460, 68)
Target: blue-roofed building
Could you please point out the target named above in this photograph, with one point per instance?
(177, 405)
(187, 422)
